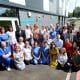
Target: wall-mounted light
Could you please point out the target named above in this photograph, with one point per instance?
(29, 14)
(39, 16)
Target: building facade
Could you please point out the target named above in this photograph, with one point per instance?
(42, 12)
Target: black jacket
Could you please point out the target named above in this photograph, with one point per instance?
(20, 33)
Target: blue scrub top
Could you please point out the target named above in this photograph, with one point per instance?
(4, 37)
(4, 52)
(57, 30)
(53, 35)
(9, 46)
(36, 51)
(45, 51)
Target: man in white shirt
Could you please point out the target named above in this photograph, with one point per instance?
(58, 42)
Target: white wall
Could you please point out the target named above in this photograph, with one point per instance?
(22, 2)
(46, 5)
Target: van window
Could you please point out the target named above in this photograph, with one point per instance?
(5, 24)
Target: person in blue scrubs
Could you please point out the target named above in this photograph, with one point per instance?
(4, 36)
(36, 53)
(45, 58)
(53, 34)
(5, 54)
(57, 28)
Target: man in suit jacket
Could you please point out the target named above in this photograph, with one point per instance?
(20, 33)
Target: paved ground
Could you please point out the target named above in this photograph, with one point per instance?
(37, 72)
(73, 76)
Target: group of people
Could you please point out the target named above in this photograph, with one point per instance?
(49, 45)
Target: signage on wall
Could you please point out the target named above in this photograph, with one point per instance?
(22, 2)
(28, 20)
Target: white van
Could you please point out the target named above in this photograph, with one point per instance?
(6, 21)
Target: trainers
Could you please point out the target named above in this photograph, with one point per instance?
(8, 69)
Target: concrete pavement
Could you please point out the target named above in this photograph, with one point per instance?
(36, 72)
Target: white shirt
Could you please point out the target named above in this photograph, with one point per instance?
(46, 35)
(59, 43)
(18, 56)
(27, 52)
(21, 45)
(62, 59)
(12, 37)
(43, 31)
(28, 33)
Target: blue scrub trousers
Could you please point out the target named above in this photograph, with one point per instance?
(43, 61)
(8, 62)
(35, 61)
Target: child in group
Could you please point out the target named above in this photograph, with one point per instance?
(18, 58)
(36, 53)
(27, 53)
(62, 58)
(45, 57)
(53, 51)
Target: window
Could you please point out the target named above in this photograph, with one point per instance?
(8, 12)
(51, 1)
(46, 2)
(22, 2)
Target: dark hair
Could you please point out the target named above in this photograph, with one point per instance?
(27, 26)
(36, 42)
(10, 27)
(2, 29)
(52, 43)
(45, 42)
(76, 48)
(25, 43)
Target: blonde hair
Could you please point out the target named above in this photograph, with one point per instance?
(17, 46)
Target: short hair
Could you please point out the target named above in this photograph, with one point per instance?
(64, 49)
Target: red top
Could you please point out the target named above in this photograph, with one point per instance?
(69, 47)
